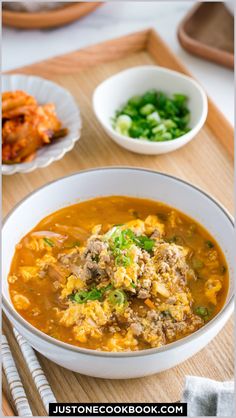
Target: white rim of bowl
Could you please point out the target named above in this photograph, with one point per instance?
(193, 131)
(28, 167)
(89, 352)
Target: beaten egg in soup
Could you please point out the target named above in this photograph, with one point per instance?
(118, 274)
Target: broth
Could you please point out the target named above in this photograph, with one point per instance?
(147, 276)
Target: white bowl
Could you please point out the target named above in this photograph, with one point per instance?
(115, 91)
(46, 91)
(113, 181)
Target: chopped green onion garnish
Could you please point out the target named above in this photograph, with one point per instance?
(144, 242)
(120, 242)
(123, 260)
(177, 239)
(209, 244)
(117, 297)
(49, 242)
(154, 116)
(93, 294)
(83, 296)
(202, 311)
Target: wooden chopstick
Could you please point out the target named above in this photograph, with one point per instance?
(36, 371)
(6, 407)
(14, 381)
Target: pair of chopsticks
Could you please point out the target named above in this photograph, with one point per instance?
(14, 381)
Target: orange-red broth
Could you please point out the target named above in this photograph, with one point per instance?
(110, 211)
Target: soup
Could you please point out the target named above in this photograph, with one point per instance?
(118, 274)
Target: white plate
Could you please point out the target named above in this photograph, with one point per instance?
(46, 91)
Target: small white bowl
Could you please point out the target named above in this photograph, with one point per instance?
(115, 91)
(122, 182)
(46, 91)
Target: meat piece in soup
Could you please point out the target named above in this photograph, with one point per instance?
(118, 274)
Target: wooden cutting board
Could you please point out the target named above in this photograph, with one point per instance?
(207, 162)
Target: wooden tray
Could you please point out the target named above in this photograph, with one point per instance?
(208, 31)
(50, 18)
(207, 161)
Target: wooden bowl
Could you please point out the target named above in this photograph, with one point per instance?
(49, 18)
(208, 31)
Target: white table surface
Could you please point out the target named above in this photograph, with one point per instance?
(113, 19)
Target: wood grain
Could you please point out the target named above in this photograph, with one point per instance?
(207, 162)
(92, 56)
(6, 407)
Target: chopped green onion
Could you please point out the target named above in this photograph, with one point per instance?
(202, 311)
(169, 124)
(49, 242)
(167, 136)
(95, 258)
(209, 244)
(136, 101)
(177, 239)
(154, 116)
(144, 242)
(84, 296)
(123, 123)
(223, 269)
(93, 294)
(159, 129)
(180, 99)
(147, 109)
(117, 297)
(150, 97)
(121, 242)
(106, 288)
(123, 260)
